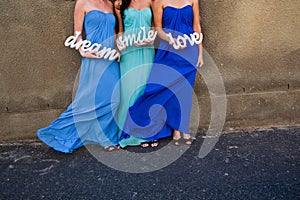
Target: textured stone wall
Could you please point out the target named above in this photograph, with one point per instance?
(255, 45)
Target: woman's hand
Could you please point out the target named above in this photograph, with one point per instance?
(144, 43)
(88, 54)
(119, 57)
(182, 47)
(174, 43)
(200, 61)
(121, 45)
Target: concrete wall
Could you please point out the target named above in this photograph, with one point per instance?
(255, 44)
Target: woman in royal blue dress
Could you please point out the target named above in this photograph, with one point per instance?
(164, 108)
(90, 118)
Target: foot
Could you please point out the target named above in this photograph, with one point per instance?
(187, 139)
(109, 148)
(145, 144)
(154, 143)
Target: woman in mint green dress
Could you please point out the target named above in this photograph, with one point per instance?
(136, 60)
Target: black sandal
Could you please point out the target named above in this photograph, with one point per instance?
(187, 141)
(183, 141)
(176, 142)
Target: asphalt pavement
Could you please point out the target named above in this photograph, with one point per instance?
(256, 164)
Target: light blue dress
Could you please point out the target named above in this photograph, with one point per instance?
(135, 67)
(91, 117)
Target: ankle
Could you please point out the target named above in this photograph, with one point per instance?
(176, 135)
(186, 136)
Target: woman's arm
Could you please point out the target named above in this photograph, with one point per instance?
(78, 18)
(152, 8)
(118, 16)
(79, 13)
(197, 28)
(157, 7)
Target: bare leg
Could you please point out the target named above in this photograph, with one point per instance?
(176, 137)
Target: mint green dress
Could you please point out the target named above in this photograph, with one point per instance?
(135, 67)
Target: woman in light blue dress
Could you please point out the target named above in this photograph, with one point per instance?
(90, 118)
(136, 61)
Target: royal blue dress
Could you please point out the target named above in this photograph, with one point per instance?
(166, 103)
(90, 118)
